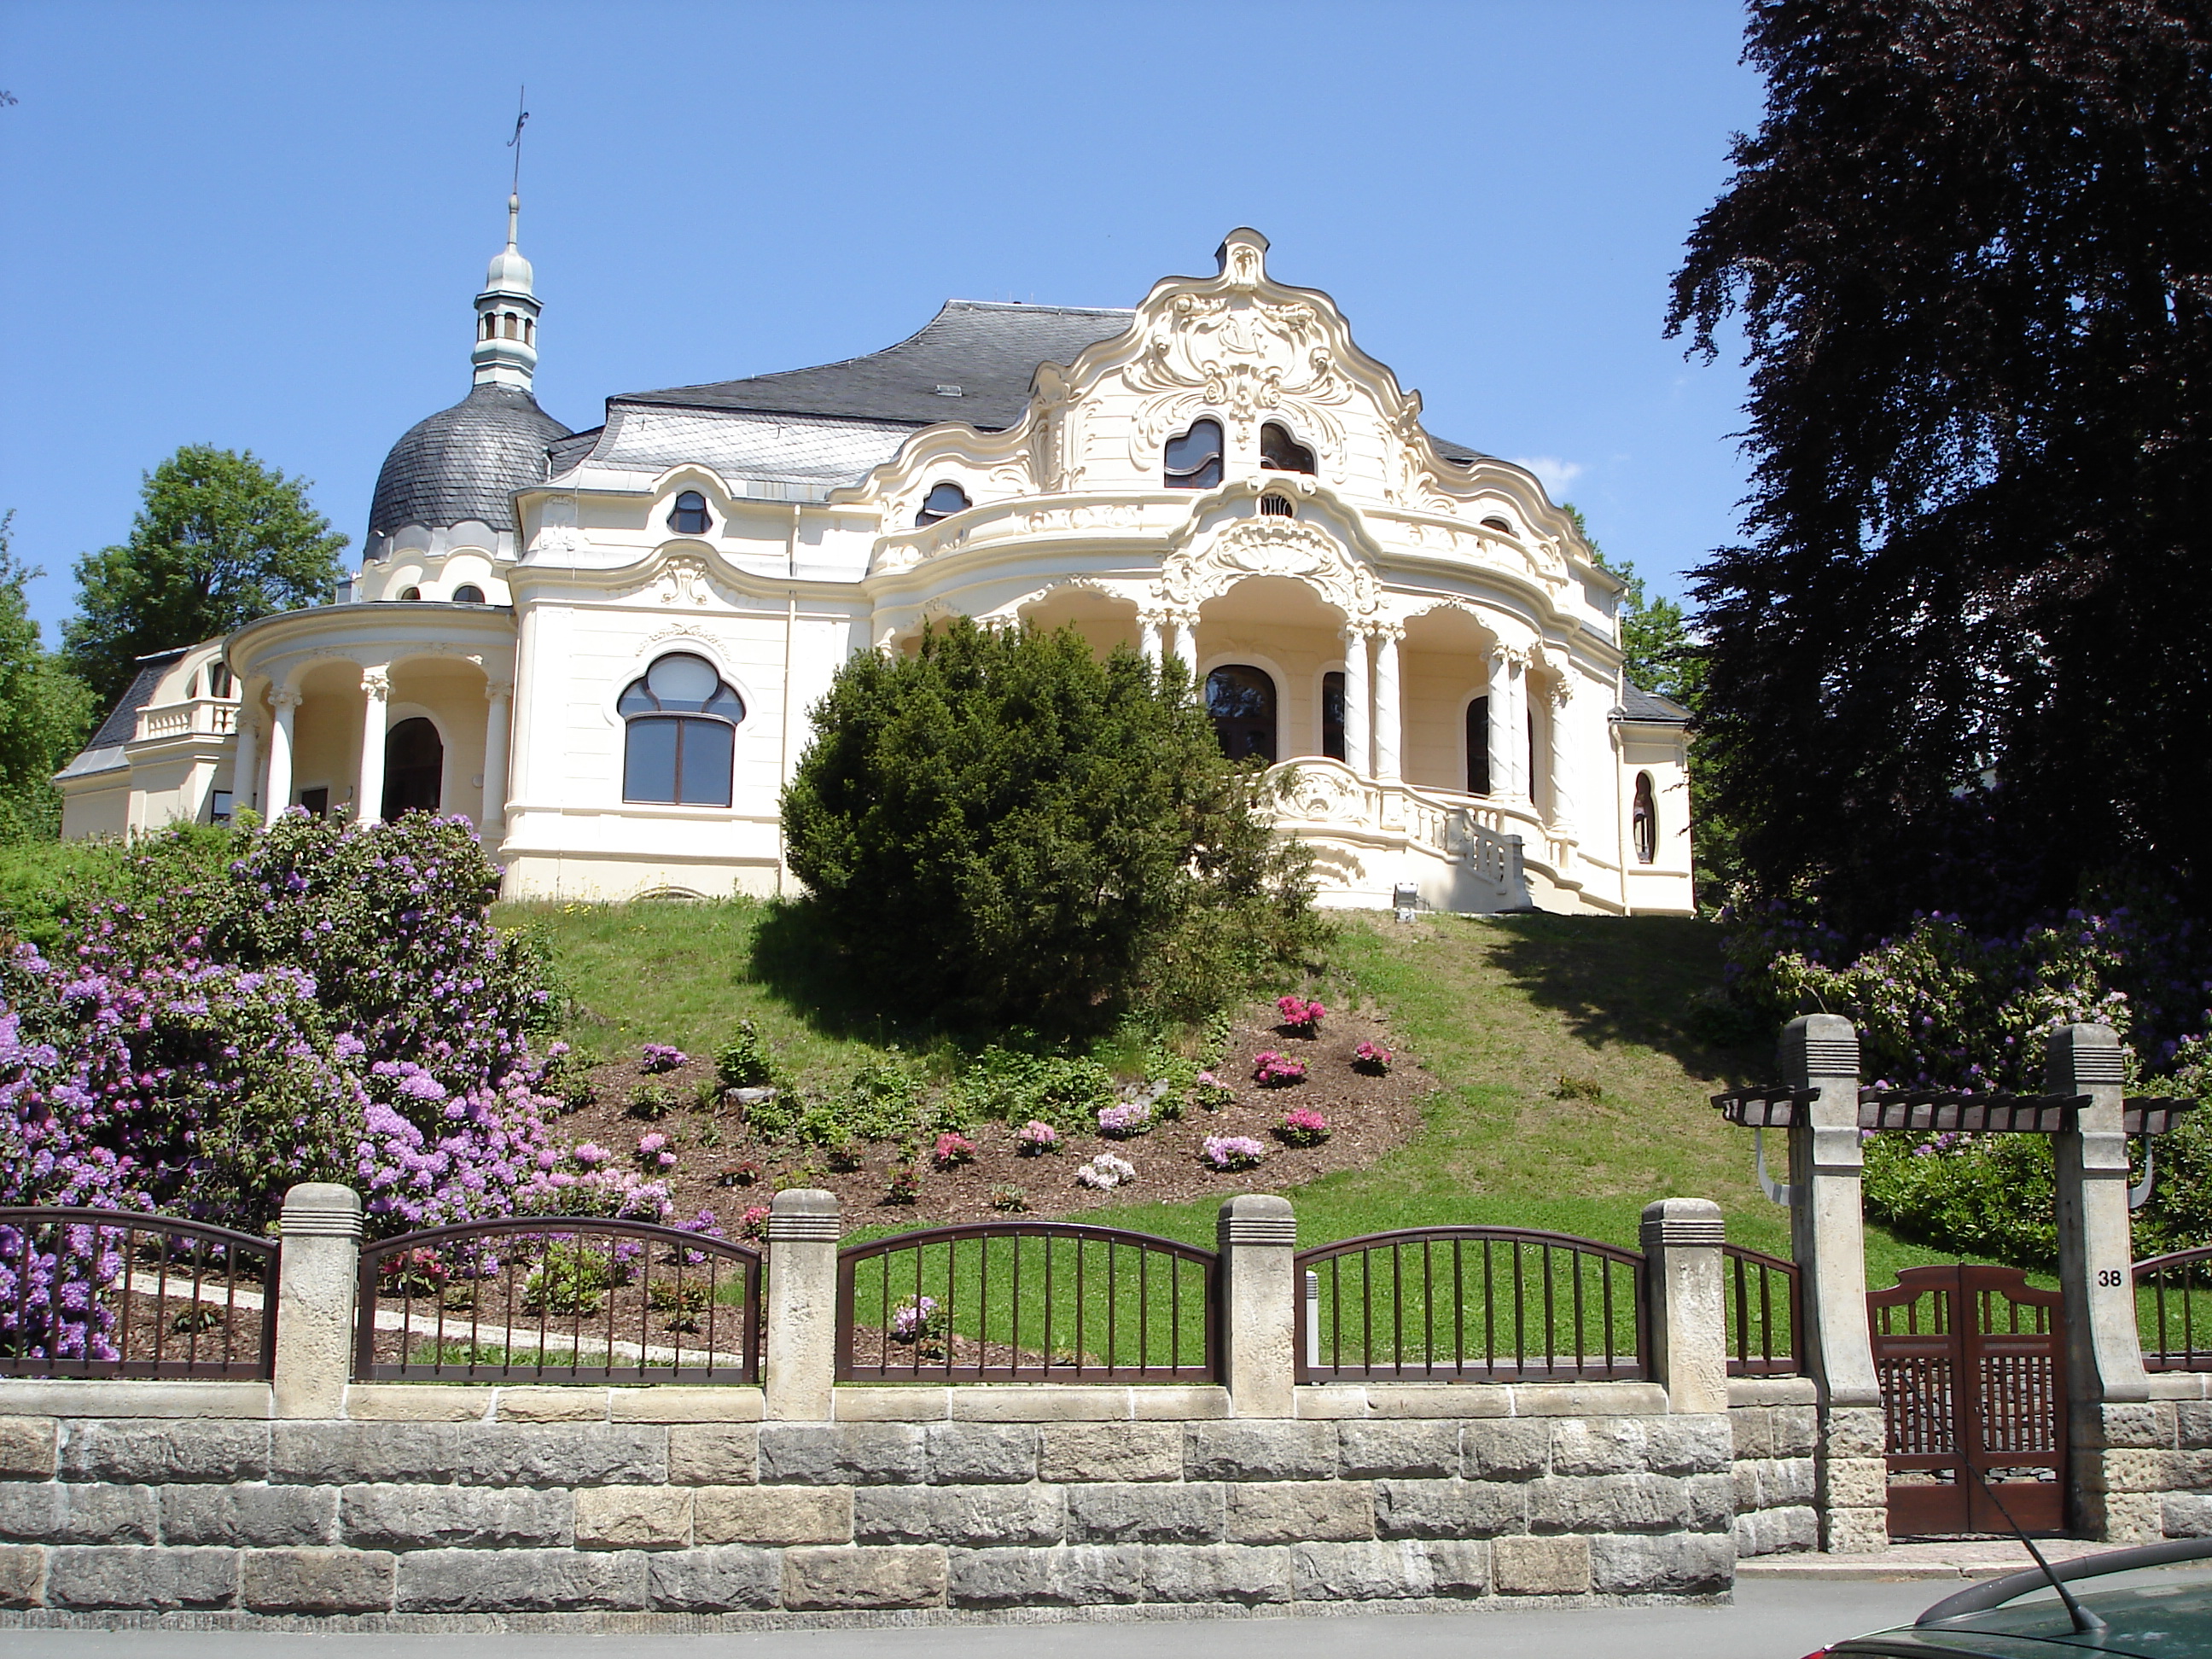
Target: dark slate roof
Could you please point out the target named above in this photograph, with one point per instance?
(122, 721)
(988, 348)
(463, 463)
(565, 453)
(1650, 708)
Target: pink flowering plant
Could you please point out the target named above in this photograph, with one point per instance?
(952, 1150)
(1271, 1069)
(658, 1057)
(1300, 1016)
(1302, 1126)
(1126, 1121)
(1227, 1153)
(1211, 1093)
(1036, 1136)
(1371, 1058)
(654, 1153)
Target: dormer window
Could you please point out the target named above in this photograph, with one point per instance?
(1281, 453)
(689, 516)
(1194, 460)
(1502, 527)
(944, 500)
(468, 593)
(408, 595)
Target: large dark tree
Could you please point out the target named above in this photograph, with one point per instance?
(1959, 661)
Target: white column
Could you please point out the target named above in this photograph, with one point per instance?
(1148, 638)
(1563, 758)
(1501, 720)
(243, 761)
(1517, 680)
(286, 702)
(497, 693)
(1358, 734)
(369, 791)
(1389, 717)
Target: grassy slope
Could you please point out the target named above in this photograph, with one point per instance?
(1498, 1008)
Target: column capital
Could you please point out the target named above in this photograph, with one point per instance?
(375, 685)
(284, 697)
(1390, 632)
(1509, 656)
(1561, 691)
(498, 690)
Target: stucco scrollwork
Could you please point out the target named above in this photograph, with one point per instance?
(1269, 547)
(682, 581)
(1323, 795)
(1239, 354)
(557, 538)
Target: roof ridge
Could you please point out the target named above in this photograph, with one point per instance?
(1032, 305)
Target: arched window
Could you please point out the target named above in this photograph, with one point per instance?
(1494, 522)
(1643, 823)
(409, 594)
(220, 684)
(689, 516)
(1242, 701)
(1194, 460)
(468, 593)
(1281, 453)
(943, 500)
(682, 733)
(414, 769)
(1332, 715)
(1478, 747)
(192, 686)
(529, 331)
(1277, 507)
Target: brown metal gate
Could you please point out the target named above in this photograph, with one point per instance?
(1973, 1372)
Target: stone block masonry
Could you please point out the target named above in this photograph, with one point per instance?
(403, 1512)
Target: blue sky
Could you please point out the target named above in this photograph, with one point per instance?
(260, 226)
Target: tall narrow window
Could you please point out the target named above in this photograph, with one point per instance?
(1242, 701)
(1478, 747)
(1332, 715)
(1281, 453)
(1643, 821)
(1194, 460)
(681, 733)
(944, 500)
(414, 769)
(220, 683)
(689, 516)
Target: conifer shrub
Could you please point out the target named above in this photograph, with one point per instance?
(1004, 830)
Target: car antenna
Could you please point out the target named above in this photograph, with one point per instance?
(2084, 1620)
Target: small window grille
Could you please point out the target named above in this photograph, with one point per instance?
(1277, 507)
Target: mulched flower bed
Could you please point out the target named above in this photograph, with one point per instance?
(1368, 1115)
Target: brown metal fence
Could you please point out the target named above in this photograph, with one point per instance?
(1765, 1313)
(1026, 1302)
(1472, 1304)
(116, 1293)
(2173, 1310)
(558, 1299)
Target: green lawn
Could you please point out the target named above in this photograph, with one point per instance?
(1497, 1009)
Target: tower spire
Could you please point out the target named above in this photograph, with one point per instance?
(506, 352)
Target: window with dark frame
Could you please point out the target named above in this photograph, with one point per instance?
(945, 499)
(689, 516)
(1241, 700)
(1478, 746)
(1644, 820)
(1332, 715)
(1193, 460)
(1281, 453)
(468, 593)
(414, 769)
(679, 746)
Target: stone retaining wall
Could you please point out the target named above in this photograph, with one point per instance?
(445, 1501)
(1774, 1423)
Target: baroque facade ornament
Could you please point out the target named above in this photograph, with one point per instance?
(1268, 547)
(1245, 357)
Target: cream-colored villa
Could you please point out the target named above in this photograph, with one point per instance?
(600, 646)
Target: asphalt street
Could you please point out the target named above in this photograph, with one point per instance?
(1770, 1620)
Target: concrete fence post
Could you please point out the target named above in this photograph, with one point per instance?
(1827, 1231)
(319, 1269)
(800, 1368)
(1686, 1303)
(1258, 1235)
(2114, 1493)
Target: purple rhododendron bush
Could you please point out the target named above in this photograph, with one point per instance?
(317, 1001)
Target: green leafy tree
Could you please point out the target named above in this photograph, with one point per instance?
(45, 711)
(220, 540)
(1004, 830)
(1953, 664)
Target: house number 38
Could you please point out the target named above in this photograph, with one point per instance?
(2109, 1277)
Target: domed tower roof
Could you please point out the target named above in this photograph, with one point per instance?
(464, 462)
